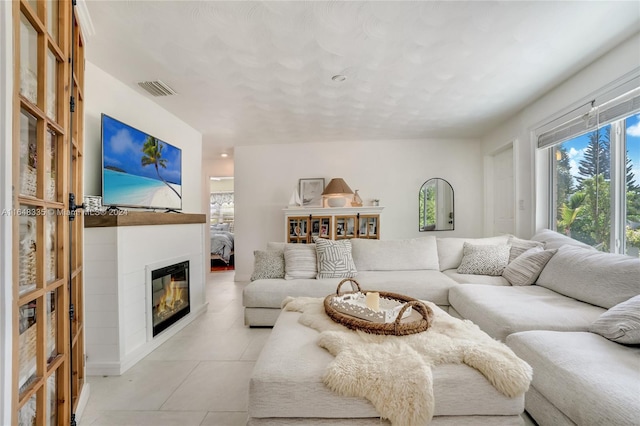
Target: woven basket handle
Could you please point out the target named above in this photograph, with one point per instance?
(352, 283)
(423, 309)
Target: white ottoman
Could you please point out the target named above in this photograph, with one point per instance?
(286, 388)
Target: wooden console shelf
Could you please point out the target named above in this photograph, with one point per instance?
(128, 218)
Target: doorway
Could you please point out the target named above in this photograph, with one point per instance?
(222, 223)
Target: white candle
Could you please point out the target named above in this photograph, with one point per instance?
(373, 300)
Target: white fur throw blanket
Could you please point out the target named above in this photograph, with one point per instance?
(394, 372)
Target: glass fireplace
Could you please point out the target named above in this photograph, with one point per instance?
(169, 295)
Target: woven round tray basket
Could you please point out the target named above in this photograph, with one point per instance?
(419, 320)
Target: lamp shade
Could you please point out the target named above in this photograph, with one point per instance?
(337, 186)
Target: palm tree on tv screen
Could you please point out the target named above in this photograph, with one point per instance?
(152, 150)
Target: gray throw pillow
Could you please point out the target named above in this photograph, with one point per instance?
(268, 264)
(519, 246)
(620, 323)
(484, 259)
(334, 258)
(300, 261)
(526, 268)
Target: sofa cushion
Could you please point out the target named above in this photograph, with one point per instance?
(450, 249)
(426, 285)
(334, 258)
(484, 259)
(525, 269)
(475, 279)
(500, 311)
(395, 255)
(300, 261)
(519, 246)
(554, 240)
(620, 323)
(268, 264)
(590, 379)
(602, 279)
(276, 245)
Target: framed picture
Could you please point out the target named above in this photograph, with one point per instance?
(311, 192)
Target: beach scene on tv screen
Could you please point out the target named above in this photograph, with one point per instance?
(138, 169)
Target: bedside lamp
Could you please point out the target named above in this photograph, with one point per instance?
(336, 192)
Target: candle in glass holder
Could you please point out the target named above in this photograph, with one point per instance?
(373, 300)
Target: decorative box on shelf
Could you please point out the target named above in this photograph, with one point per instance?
(358, 305)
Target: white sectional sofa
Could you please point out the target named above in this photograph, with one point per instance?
(579, 376)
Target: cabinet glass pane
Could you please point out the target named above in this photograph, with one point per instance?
(28, 60)
(51, 166)
(52, 19)
(28, 240)
(52, 324)
(373, 226)
(27, 345)
(28, 154)
(52, 84)
(27, 414)
(52, 400)
(51, 259)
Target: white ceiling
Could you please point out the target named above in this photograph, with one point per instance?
(260, 72)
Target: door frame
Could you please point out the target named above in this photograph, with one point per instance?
(6, 220)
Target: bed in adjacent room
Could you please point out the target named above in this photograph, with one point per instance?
(221, 243)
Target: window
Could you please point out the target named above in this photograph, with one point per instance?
(594, 191)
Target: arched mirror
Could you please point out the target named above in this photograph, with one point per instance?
(435, 201)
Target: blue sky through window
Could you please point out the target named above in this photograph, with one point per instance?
(576, 147)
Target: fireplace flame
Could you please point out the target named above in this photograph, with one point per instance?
(171, 297)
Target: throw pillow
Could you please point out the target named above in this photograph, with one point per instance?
(519, 246)
(484, 259)
(334, 258)
(268, 264)
(300, 261)
(526, 268)
(621, 323)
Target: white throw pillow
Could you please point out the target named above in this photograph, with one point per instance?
(300, 261)
(334, 259)
(519, 246)
(450, 249)
(621, 323)
(484, 259)
(525, 269)
(268, 264)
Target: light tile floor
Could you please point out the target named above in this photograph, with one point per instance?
(199, 377)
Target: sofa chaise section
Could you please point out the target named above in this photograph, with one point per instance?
(500, 311)
(579, 378)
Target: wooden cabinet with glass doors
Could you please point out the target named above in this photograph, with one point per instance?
(48, 366)
(332, 223)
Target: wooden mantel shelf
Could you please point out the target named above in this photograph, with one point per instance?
(131, 218)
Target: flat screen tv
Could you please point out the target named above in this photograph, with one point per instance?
(139, 170)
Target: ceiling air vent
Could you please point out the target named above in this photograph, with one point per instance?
(157, 88)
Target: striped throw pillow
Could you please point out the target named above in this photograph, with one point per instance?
(525, 269)
(299, 261)
(334, 259)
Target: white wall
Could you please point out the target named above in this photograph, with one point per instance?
(393, 171)
(6, 240)
(530, 175)
(105, 94)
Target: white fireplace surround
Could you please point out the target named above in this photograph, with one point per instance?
(118, 265)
